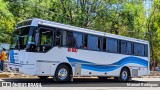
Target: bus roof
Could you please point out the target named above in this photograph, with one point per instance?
(36, 21)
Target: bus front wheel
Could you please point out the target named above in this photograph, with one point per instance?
(62, 73)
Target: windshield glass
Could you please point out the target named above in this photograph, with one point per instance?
(20, 38)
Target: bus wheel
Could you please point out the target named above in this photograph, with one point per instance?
(43, 77)
(62, 73)
(124, 75)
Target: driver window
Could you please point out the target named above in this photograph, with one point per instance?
(45, 40)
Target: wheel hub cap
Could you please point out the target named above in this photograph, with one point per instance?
(62, 74)
(124, 75)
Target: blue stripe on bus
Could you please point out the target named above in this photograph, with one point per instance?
(11, 55)
(99, 68)
(110, 67)
(73, 60)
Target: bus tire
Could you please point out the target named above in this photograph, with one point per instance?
(62, 73)
(124, 75)
(43, 77)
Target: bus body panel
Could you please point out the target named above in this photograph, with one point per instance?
(92, 63)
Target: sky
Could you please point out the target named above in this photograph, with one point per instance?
(147, 5)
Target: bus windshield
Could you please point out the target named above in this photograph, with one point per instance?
(20, 38)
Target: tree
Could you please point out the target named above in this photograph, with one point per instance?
(6, 23)
(154, 29)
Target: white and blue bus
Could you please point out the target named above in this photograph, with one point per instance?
(44, 48)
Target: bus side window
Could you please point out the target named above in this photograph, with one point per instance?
(93, 42)
(146, 50)
(78, 39)
(139, 49)
(58, 38)
(129, 48)
(70, 39)
(46, 40)
(123, 47)
(85, 41)
(112, 45)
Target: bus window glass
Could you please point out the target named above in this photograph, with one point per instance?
(92, 42)
(78, 37)
(139, 49)
(85, 40)
(20, 37)
(64, 38)
(146, 50)
(58, 37)
(111, 45)
(129, 48)
(135, 49)
(70, 40)
(45, 40)
(142, 49)
(123, 47)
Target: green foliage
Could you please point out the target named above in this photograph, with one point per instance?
(6, 23)
(154, 27)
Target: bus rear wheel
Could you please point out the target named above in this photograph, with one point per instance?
(124, 75)
(62, 73)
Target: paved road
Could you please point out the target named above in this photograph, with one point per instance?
(86, 82)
